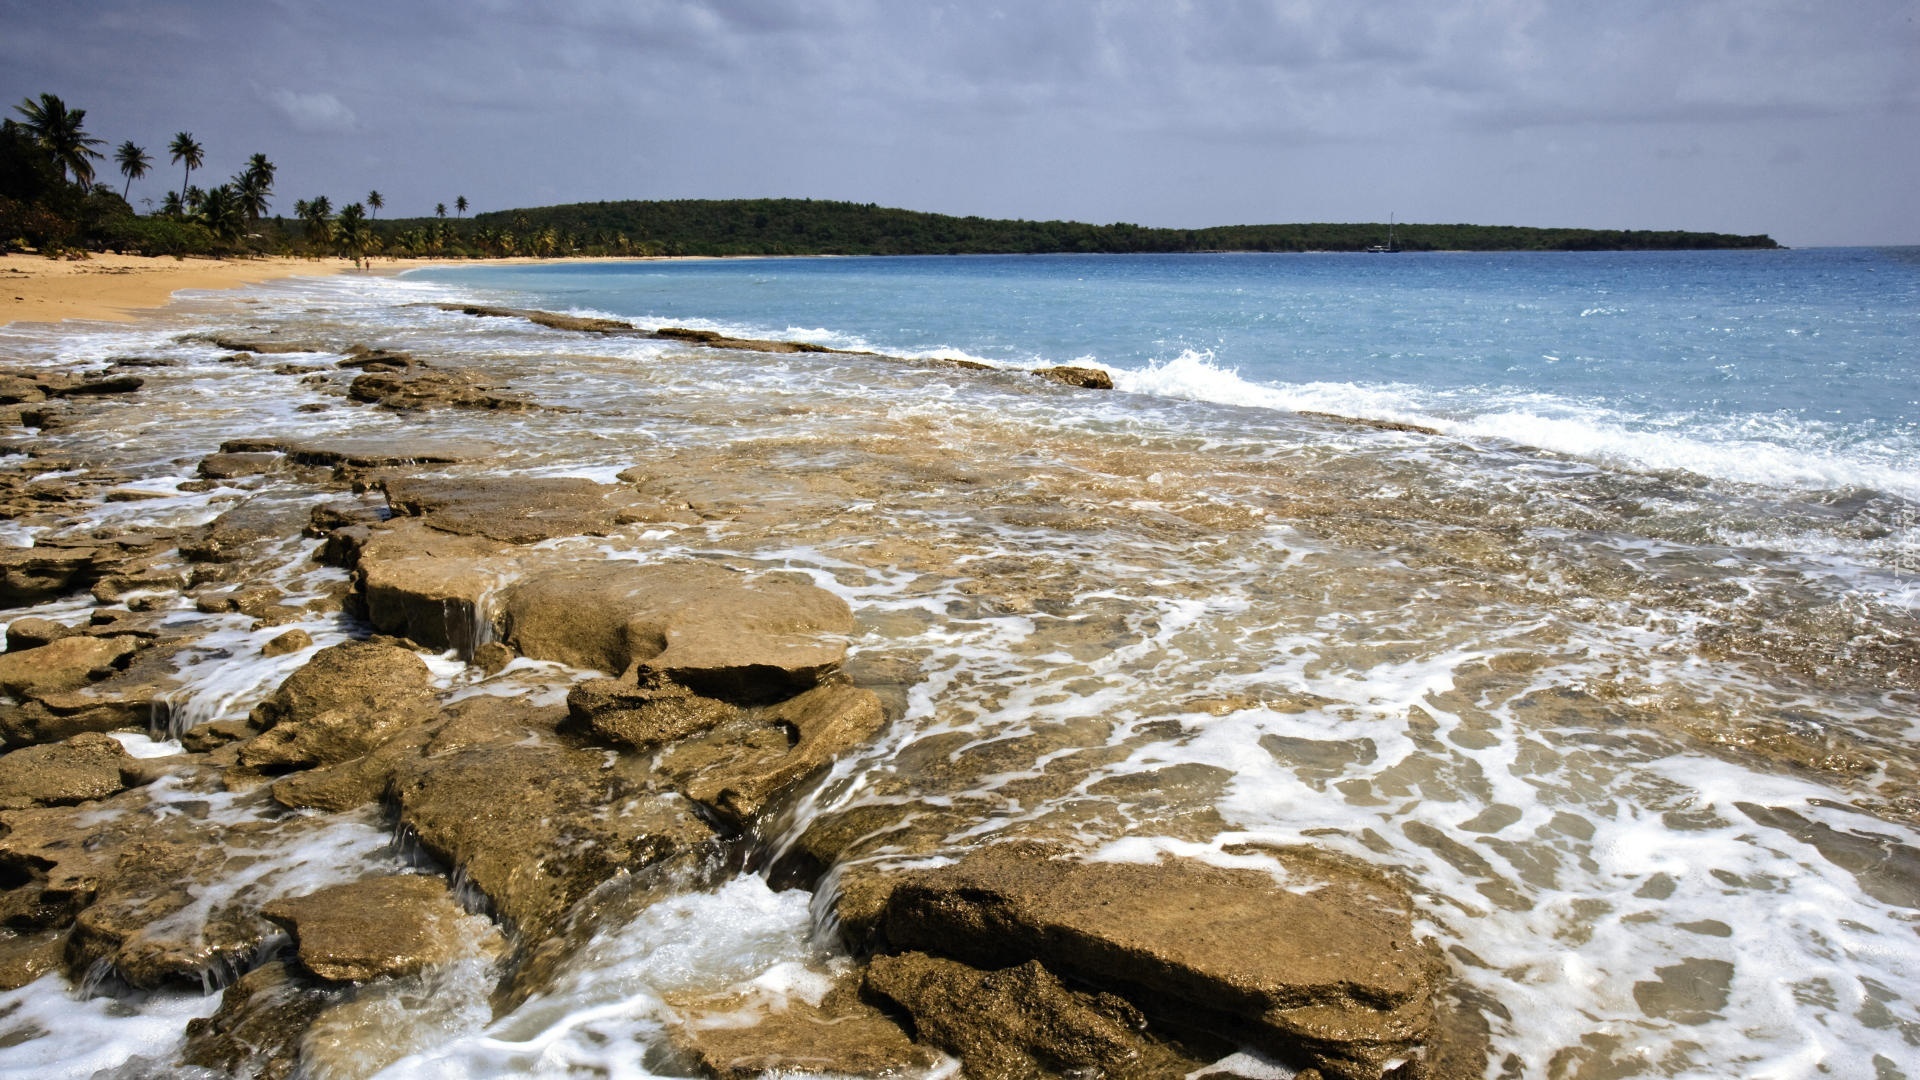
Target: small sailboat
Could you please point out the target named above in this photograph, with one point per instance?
(1390, 248)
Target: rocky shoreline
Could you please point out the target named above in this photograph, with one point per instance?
(717, 694)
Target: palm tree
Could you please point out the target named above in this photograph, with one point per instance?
(373, 200)
(460, 205)
(133, 162)
(57, 130)
(350, 231)
(183, 148)
(254, 184)
(221, 210)
(440, 210)
(171, 206)
(314, 214)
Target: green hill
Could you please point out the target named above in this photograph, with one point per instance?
(820, 227)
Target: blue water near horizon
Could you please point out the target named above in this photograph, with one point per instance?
(1794, 369)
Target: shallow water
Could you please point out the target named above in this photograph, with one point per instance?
(1637, 731)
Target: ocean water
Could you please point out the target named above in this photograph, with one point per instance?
(1608, 650)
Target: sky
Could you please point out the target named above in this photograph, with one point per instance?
(1797, 119)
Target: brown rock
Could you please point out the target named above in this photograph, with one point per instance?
(133, 698)
(264, 343)
(841, 1036)
(32, 632)
(231, 466)
(1084, 377)
(95, 387)
(738, 772)
(491, 657)
(523, 509)
(644, 713)
(720, 632)
(537, 827)
(432, 390)
(66, 664)
(429, 586)
(1023, 1022)
(260, 1023)
(342, 703)
(30, 575)
(552, 320)
(133, 883)
(28, 955)
(1333, 977)
(86, 767)
(290, 642)
(233, 534)
(380, 927)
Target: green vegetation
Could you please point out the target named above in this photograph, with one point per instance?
(50, 202)
(817, 227)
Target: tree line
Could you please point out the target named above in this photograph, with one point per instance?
(51, 201)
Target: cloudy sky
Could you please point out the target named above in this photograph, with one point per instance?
(1800, 119)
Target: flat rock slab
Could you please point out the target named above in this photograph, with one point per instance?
(1332, 977)
(524, 509)
(86, 767)
(381, 927)
(66, 664)
(719, 631)
(431, 586)
(367, 451)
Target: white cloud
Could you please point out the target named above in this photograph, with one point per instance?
(314, 114)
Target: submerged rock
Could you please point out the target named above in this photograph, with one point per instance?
(434, 390)
(366, 451)
(381, 927)
(839, 1035)
(1333, 978)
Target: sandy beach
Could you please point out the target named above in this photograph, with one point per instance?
(118, 287)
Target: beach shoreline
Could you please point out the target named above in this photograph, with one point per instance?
(121, 288)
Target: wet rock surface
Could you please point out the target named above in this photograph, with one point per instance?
(1334, 978)
(380, 927)
(724, 633)
(733, 694)
(341, 704)
(839, 1035)
(1022, 1021)
(86, 767)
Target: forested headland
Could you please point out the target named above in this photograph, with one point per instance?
(822, 227)
(52, 202)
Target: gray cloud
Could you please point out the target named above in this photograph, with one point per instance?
(1523, 111)
(313, 113)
